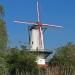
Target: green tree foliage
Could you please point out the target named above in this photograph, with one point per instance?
(3, 33)
(3, 43)
(1, 11)
(20, 62)
(65, 55)
(64, 58)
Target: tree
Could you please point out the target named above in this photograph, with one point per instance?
(3, 33)
(65, 57)
(3, 42)
(20, 62)
(1, 11)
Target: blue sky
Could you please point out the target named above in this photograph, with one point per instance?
(58, 12)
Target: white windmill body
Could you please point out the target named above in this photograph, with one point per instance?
(35, 44)
(36, 38)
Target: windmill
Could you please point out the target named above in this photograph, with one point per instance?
(36, 38)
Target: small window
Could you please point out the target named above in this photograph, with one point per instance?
(32, 42)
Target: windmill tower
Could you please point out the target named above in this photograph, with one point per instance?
(36, 38)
